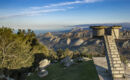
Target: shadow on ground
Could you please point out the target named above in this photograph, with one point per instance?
(20, 74)
(103, 73)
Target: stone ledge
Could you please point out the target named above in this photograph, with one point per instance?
(117, 69)
(116, 58)
(118, 75)
(115, 72)
(122, 71)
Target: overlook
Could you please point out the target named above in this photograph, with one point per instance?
(65, 40)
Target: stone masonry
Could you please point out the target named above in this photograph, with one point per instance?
(113, 58)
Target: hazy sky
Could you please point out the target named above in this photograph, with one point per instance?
(54, 14)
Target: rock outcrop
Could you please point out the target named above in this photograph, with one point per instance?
(67, 61)
(42, 65)
(74, 40)
(78, 42)
(126, 44)
(68, 41)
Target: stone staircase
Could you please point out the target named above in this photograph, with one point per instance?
(113, 58)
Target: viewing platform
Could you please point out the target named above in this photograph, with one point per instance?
(109, 34)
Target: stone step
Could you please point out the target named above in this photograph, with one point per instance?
(118, 72)
(115, 56)
(123, 72)
(111, 43)
(114, 59)
(120, 68)
(114, 53)
(113, 50)
(120, 79)
(115, 62)
(116, 65)
(115, 72)
(117, 75)
(117, 68)
(112, 65)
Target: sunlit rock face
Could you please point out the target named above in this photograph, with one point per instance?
(44, 63)
(78, 42)
(68, 41)
(74, 40)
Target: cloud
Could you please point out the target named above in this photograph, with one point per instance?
(91, 1)
(49, 8)
(32, 13)
(66, 4)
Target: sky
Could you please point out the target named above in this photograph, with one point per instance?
(57, 14)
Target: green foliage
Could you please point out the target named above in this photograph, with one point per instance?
(64, 53)
(76, 53)
(83, 51)
(17, 50)
(90, 56)
(123, 58)
(59, 53)
(53, 54)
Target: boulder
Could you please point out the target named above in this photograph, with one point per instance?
(43, 73)
(78, 42)
(97, 42)
(67, 61)
(44, 63)
(68, 41)
(29, 74)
